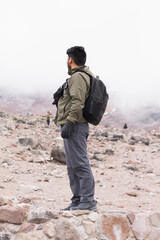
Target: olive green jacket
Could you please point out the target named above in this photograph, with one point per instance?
(70, 105)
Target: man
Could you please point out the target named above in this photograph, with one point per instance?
(75, 130)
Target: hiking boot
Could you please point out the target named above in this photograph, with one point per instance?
(86, 206)
(73, 204)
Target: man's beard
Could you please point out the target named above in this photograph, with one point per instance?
(69, 68)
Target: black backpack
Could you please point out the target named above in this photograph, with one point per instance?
(96, 103)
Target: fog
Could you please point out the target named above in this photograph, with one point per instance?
(121, 39)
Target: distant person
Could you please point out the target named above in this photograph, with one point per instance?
(48, 118)
(125, 126)
(75, 130)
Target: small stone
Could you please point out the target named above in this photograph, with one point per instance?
(8, 161)
(40, 227)
(67, 214)
(131, 217)
(99, 157)
(130, 148)
(132, 194)
(109, 152)
(155, 219)
(3, 201)
(25, 200)
(119, 136)
(11, 125)
(132, 167)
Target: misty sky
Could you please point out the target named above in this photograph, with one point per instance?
(121, 37)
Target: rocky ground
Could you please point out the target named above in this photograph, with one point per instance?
(125, 163)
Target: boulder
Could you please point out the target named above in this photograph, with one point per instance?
(41, 216)
(58, 154)
(12, 215)
(65, 230)
(115, 226)
(26, 141)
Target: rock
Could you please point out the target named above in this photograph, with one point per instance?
(145, 141)
(58, 154)
(109, 152)
(32, 122)
(89, 228)
(25, 141)
(132, 194)
(130, 148)
(155, 219)
(39, 147)
(21, 121)
(27, 227)
(131, 217)
(10, 125)
(136, 138)
(93, 216)
(99, 156)
(49, 230)
(141, 227)
(35, 235)
(8, 161)
(12, 228)
(132, 167)
(118, 136)
(41, 216)
(12, 215)
(5, 236)
(65, 230)
(3, 201)
(40, 227)
(115, 227)
(39, 152)
(155, 234)
(140, 139)
(25, 200)
(104, 134)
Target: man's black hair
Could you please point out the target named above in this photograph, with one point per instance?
(78, 54)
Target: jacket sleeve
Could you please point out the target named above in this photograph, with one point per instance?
(78, 92)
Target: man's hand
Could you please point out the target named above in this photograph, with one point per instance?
(66, 130)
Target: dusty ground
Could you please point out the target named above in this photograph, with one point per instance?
(127, 180)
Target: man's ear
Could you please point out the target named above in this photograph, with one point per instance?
(70, 60)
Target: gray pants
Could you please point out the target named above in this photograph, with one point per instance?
(78, 167)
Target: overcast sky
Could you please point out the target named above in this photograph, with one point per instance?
(121, 38)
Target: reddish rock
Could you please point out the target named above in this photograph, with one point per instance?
(132, 194)
(27, 227)
(115, 227)
(130, 148)
(12, 215)
(131, 217)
